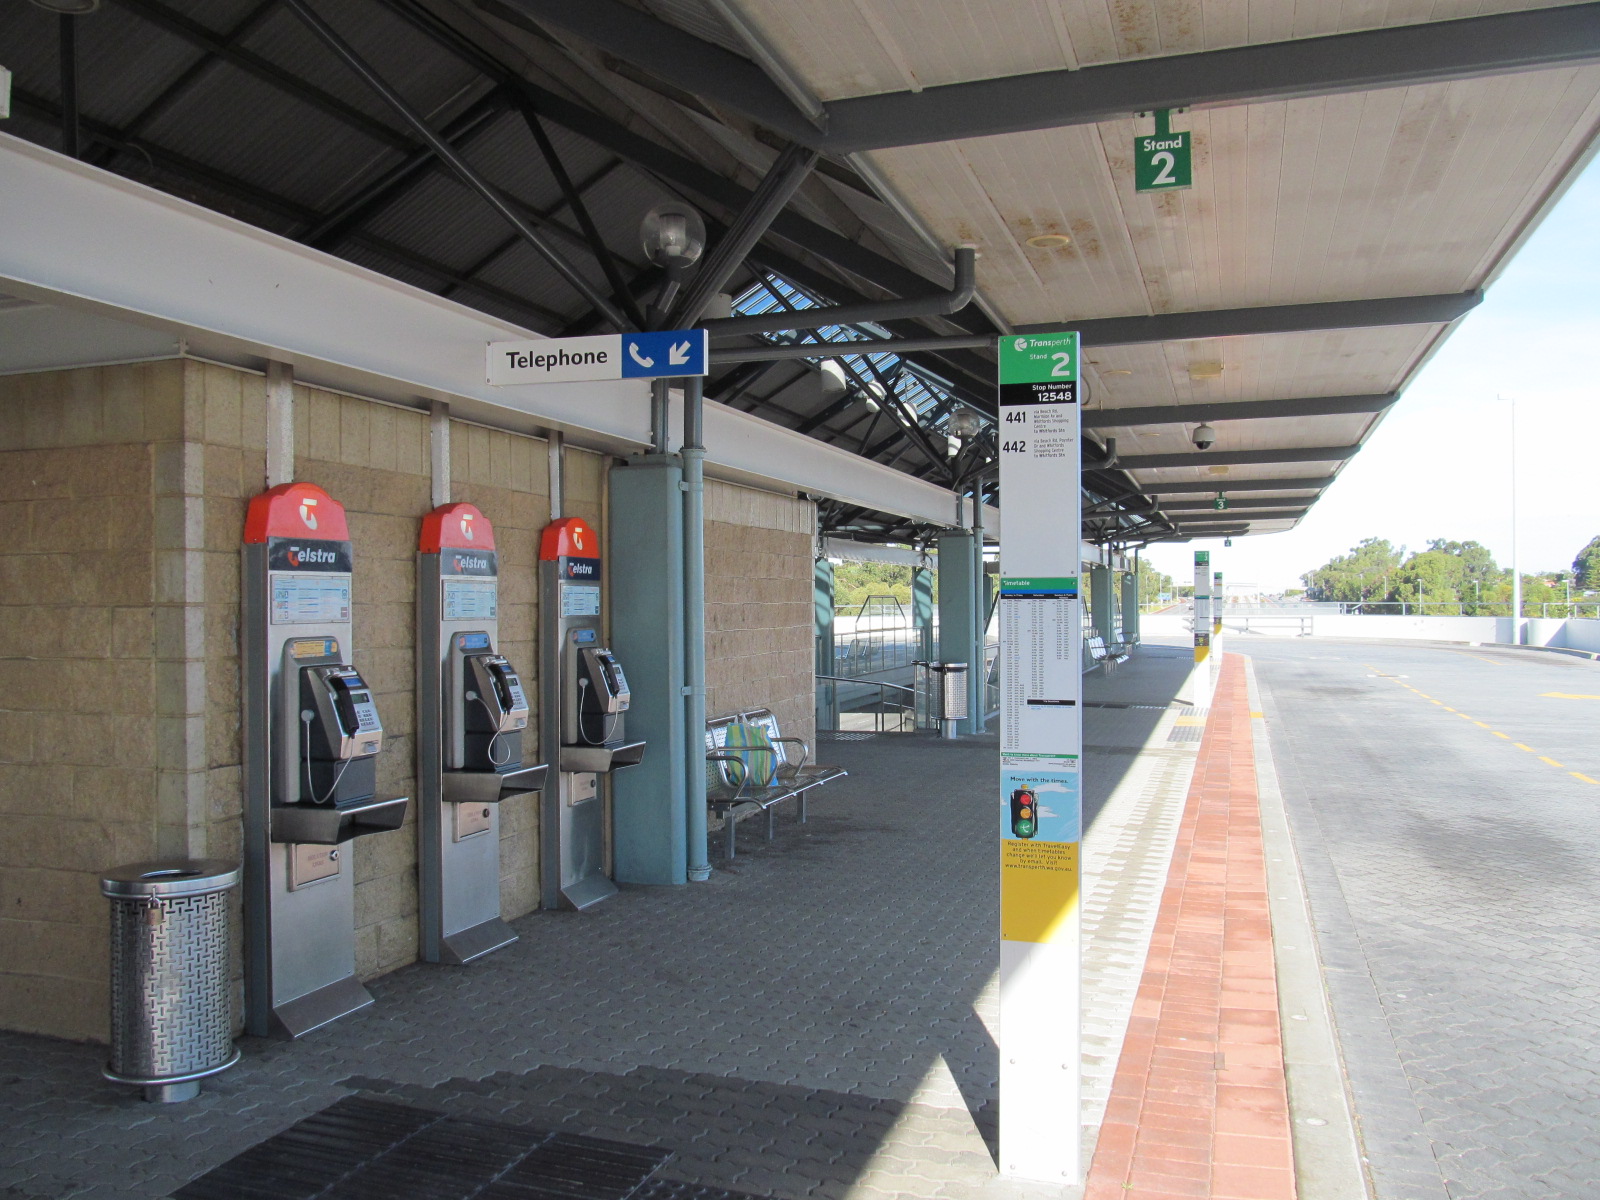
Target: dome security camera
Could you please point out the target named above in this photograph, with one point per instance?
(1203, 437)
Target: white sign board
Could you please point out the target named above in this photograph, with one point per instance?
(662, 353)
(1041, 746)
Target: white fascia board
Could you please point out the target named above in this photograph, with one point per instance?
(741, 444)
(77, 236)
(81, 238)
(902, 556)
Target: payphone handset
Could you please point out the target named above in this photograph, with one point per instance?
(341, 719)
(604, 686)
(487, 708)
(335, 729)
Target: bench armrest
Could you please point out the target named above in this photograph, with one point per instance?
(748, 773)
(805, 750)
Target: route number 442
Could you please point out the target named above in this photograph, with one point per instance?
(1014, 447)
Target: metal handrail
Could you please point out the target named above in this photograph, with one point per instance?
(883, 701)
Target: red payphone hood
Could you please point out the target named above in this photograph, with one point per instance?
(298, 510)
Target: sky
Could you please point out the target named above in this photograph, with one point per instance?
(1440, 464)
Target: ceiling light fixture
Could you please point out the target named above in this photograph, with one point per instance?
(1049, 241)
(68, 8)
(1205, 370)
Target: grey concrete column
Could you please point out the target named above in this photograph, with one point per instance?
(1130, 607)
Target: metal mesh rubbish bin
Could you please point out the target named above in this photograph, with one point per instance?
(953, 696)
(171, 1016)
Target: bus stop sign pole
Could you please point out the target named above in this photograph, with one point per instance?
(1041, 740)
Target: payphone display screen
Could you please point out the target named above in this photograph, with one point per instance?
(470, 600)
(580, 600)
(309, 599)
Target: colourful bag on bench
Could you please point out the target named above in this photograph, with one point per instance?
(755, 754)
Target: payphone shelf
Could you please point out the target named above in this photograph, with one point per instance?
(599, 760)
(491, 787)
(313, 825)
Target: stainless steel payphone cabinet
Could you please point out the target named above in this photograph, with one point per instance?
(312, 737)
(584, 698)
(473, 719)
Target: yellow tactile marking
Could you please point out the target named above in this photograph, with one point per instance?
(1485, 725)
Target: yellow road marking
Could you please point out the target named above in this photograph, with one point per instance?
(1567, 696)
(1507, 737)
(1258, 715)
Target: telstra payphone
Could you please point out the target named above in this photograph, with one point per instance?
(587, 722)
(312, 738)
(473, 715)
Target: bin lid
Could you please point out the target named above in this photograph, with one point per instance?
(170, 877)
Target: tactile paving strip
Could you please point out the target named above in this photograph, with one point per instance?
(358, 1149)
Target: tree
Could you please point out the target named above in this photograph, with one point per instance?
(1587, 566)
(1363, 574)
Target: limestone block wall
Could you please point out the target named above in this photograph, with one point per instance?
(91, 620)
(122, 493)
(759, 614)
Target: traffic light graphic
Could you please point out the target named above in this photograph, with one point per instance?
(1024, 813)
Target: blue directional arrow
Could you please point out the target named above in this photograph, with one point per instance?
(664, 352)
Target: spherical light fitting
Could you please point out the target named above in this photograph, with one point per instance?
(673, 235)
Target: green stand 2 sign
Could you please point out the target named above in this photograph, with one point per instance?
(1162, 161)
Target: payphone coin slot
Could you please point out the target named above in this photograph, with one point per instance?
(312, 864)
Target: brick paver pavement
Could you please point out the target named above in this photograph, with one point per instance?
(1199, 1106)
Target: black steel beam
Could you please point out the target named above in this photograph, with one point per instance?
(196, 34)
(395, 182)
(1242, 410)
(1223, 484)
(1398, 56)
(783, 178)
(169, 95)
(573, 196)
(496, 200)
(1230, 516)
(67, 25)
(669, 53)
(1236, 503)
(1211, 458)
(1277, 318)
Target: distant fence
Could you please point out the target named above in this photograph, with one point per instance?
(1572, 633)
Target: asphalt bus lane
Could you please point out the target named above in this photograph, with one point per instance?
(1450, 840)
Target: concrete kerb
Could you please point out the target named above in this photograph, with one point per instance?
(1327, 1154)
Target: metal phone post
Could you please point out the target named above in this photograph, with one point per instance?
(583, 706)
(312, 735)
(472, 715)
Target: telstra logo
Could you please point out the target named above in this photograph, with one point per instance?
(466, 527)
(308, 514)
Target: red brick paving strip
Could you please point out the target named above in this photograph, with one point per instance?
(1198, 1106)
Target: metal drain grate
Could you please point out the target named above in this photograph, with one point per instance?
(356, 1149)
(1190, 733)
(837, 735)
